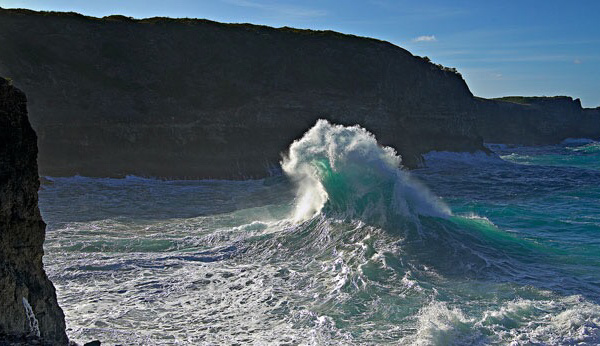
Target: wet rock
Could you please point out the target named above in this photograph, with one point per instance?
(93, 343)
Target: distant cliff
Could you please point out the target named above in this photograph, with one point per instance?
(23, 283)
(197, 99)
(535, 120)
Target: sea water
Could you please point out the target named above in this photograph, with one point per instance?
(344, 248)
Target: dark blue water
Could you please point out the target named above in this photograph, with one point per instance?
(343, 249)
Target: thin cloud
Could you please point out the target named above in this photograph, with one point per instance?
(425, 38)
(282, 10)
(576, 61)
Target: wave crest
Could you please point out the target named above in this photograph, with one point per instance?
(343, 170)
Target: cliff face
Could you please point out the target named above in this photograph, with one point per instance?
(535, 120)
(194, 98)
(22, 278)
(199, 99)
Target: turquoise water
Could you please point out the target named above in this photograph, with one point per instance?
(343, 249)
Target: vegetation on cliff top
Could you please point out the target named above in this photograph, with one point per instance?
(246, 26)
(189, 21)
(526, 100)
(441, 67)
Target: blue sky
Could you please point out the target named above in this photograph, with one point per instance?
(502, 48)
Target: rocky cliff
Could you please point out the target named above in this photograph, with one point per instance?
(195, 98)
(198, 99)
(535, 120)
(28, 307)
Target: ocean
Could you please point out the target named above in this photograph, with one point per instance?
(342, 248)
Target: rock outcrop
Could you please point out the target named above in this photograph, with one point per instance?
(193, 98)
(28, 306)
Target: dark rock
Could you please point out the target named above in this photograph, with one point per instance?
(535, 120)
(92, 343)
(23, 282)
(22, 340)
(199, 99)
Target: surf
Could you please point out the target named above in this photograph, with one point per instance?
(346, 247)
(344, 171)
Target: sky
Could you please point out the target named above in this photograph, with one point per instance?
(502, 48)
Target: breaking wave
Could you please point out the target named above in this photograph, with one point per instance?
(354, 251)
(342, 170)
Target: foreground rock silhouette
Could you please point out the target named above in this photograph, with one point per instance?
(29, 312)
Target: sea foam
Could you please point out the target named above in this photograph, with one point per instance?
(342, 169)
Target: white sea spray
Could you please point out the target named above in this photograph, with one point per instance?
(345, 166)
(32, 322)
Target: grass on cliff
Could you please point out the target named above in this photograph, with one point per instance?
(440, 66)
(526, 100)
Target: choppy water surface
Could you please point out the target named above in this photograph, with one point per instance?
(343, 249)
